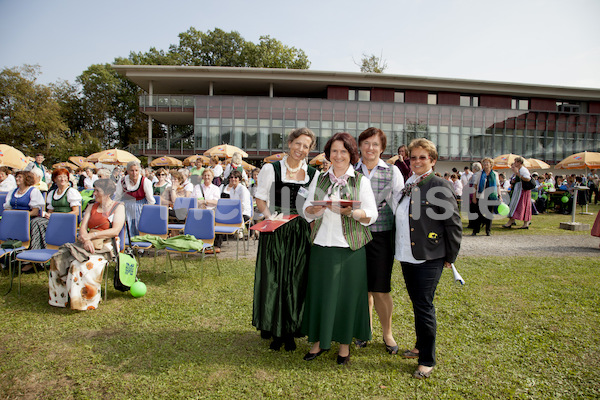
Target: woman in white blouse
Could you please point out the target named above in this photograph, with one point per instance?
(337, 306)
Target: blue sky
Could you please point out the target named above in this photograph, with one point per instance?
(532, 41)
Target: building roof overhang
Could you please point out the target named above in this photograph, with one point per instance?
(196, 80)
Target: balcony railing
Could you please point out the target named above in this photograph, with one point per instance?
(167, 102)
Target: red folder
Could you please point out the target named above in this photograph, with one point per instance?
(342, 203)
(269, 225)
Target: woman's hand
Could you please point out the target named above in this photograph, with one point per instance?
(447, 264)
(315, 211)
(89, 246)
(345, 211)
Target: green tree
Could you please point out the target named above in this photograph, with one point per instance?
(271, 53)
(30, 115)
(372, 63)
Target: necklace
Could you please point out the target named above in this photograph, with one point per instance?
(290, 169)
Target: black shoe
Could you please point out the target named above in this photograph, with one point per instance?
(276, 343)
(391, 349)
(360, 343)
(290, 343)
(311, 356)
(343, 360)
(474, 234)
(265, 335)
(488, 233)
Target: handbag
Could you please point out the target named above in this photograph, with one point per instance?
(527, 185)
(11, 244)
(98, 243)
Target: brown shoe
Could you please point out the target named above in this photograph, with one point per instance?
(410, 354)
(418, 374)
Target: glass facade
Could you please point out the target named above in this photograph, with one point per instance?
(460, 133)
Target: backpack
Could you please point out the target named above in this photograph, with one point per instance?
(126, 269)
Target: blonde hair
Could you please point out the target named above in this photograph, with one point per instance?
(426, 145)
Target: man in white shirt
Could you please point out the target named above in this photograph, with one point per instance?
(465, 177)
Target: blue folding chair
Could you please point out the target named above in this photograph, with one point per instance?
(14, 225)
(200, 223)
(157, 199)
(2, 201)
(182, 205)
(229, 220)
(153, 221)
(62, 228)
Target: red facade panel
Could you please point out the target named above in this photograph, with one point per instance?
(594, 107)
(542, 104)
(416, 96)
(337, 92)
(495, 101)
(449, 98)
(381, 94)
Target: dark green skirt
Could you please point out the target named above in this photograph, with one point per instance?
(280, 278)
(337, 304)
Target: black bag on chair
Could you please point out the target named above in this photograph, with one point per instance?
(12, 244)
(120, 286)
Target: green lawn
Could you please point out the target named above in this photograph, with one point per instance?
(520, 328)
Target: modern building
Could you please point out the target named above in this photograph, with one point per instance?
(255, 108)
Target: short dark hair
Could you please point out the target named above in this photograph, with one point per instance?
(28, 178)
(6, 170)
(296, 133)
(236, 174)
(106, 185)
(349, 144)
(372, 131)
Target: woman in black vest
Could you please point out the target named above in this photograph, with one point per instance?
(282, 259)
(428, 235)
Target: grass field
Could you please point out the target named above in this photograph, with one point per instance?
(521, 328)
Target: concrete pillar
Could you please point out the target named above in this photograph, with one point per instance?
(271, 89)
(149, 132)
(210, 88)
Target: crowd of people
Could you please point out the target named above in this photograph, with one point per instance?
(323, 273)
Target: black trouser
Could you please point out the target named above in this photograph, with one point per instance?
(482, 220)
(421, 281)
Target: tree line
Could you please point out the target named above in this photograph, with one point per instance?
(100, 109)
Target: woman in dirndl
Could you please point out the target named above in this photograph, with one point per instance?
(135, 191)
(282, 258)
(76, 270)
(337, 302)
(520, 199)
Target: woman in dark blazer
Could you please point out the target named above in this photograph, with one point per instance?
(428, 235)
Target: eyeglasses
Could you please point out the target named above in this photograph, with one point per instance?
(163, 174)
(421, 158)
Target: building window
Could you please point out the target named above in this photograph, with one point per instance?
(519, 104)
(469, 101)
(359, 94)
(398, 97)
(432, 98)
(566, 106)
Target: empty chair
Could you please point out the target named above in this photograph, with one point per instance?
(229, 220)
(200, 224)
(62, 228)
(2, 200)
(181, 205)
(153, 221)
(14, 225)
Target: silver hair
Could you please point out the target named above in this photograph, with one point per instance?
(476, 167)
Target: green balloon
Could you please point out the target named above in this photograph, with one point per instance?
(503, 209)
(138, 289)
(565, 199)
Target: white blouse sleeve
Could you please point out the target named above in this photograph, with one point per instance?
(36, 200)
(148, 191)
(311, 196)
(74, 197)
(367, 199)
(266, 177)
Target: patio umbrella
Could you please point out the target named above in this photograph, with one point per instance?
(534, 163)
(586, 159)
(166, 161)
(318, 160)
(78, 160)
(65, 164)
(192, 160)
(11, 157)
(275, 157)
(113, 156)
(392, 160)
(505, 160)
(224, 150)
